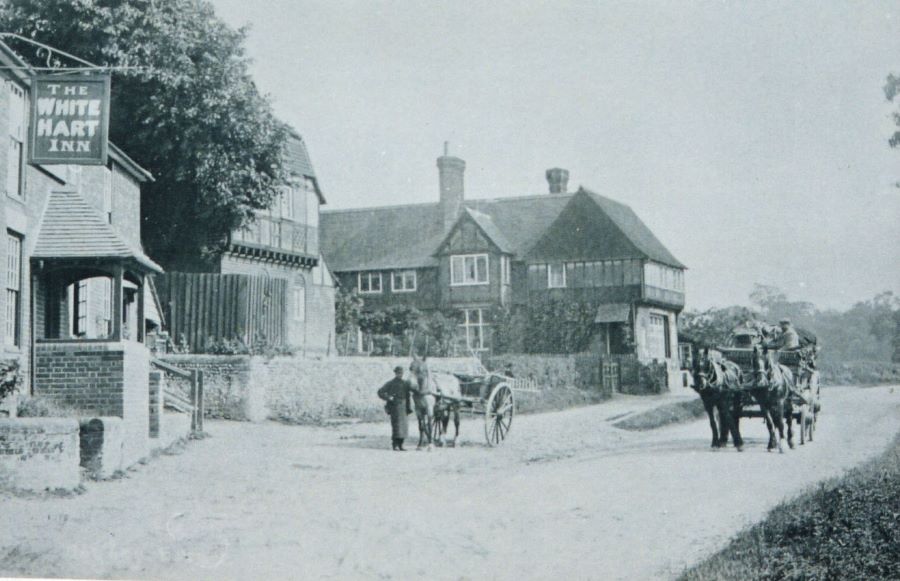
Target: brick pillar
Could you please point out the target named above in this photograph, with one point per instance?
(157, 385)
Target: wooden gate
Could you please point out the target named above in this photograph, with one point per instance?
(609, 376)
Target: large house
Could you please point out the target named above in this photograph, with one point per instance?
(471, 256)
(270, 286)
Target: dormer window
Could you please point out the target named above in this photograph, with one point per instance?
(469, 269)
(556, 275)
(403, 281)
(369, 282)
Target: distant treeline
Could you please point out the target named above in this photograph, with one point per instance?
(868, 331)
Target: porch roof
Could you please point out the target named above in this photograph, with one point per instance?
(613, 313)
(71, 230)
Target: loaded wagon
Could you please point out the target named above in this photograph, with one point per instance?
(805, 392)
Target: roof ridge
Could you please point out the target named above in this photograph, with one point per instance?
(372, 208)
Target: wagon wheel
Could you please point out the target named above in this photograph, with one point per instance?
(804, 421)
(498, 414)
(812, 421)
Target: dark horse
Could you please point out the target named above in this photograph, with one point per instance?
(772, 386)
(719, 385)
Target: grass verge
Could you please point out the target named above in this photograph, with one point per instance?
(673, 413)
(556, 399)
(846, 528)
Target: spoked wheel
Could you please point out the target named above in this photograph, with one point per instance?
(498, 414)
(804, 422)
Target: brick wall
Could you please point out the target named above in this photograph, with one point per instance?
(99, 379)
(39, 454)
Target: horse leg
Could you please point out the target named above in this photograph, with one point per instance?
(711, 412)
(789, 414)
(736, 422)
(724, 421)
(421, 419)
(429, 410)
(778, 418)
(770, 425)
(455, 426)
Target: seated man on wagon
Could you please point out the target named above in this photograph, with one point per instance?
(789, 340)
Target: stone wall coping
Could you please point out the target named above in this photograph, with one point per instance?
(105, 420)
(67, 346)
(50, 426)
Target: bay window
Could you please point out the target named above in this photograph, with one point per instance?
(469, 269)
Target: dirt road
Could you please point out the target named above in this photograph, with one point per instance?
(567, 496)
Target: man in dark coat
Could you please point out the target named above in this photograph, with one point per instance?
(396, 393)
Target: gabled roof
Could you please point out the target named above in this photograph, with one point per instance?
(72, 229)
(297, 161)
(407, 236)
(593, 227)
(490, 229)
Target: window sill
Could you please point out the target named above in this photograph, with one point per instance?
(401, 291)
(370, 292)
(486, 283)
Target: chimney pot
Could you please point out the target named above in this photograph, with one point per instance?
(558, 179)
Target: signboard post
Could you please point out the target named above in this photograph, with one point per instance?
(69, 119)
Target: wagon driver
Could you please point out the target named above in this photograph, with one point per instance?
(396, 393)
(789, 339)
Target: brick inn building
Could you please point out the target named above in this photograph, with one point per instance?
(77, 298)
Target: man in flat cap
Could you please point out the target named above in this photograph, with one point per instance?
(396, 393)
(789, 340)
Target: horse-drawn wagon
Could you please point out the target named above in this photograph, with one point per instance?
(734, 379)
(747, 349)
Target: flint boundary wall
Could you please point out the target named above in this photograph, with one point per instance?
(296, 389)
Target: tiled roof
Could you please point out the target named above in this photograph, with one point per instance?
(487, 225)
(297, 161)
(407, 236)
(71, 229)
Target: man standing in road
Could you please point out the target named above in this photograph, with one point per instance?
(396, 393)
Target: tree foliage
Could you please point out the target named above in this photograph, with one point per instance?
(891, 91)
(347, 309)
(189, 113)
(712, 327)
(869, 330)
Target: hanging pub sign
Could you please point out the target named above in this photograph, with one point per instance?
(69, 120)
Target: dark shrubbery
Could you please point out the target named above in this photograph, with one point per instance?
(849, 528)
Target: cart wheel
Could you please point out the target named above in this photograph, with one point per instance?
(498, 414)
(804, 420)
(812, 423)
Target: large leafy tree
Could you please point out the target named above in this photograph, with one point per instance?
(892, 91)
(188, 112)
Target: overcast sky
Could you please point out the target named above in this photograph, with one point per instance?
(751, 137)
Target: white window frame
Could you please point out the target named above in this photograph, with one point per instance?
(475, 324)
(458, 265)
(369, 277)
(562, 267)
(404, 276)
(18, 115)
(13, 330)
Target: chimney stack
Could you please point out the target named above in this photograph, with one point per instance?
(450, 173)
(558, 179)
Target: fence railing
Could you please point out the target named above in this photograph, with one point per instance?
(174, 397)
